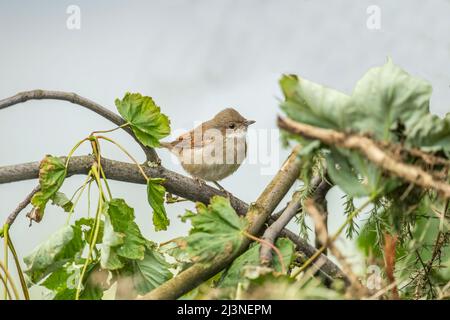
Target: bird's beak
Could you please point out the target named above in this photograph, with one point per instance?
(249, 122)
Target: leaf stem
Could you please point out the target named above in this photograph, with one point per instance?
(78, 196)
(5, 250)
(89, 198)
(127, 153)
(19, 269)
(111, 130)
(10, 279)
(5, 285)
(73, 150)
(97, 153)
(95, 231)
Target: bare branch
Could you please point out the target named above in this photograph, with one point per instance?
(320, 200)
(273, 231)
(370, 150)
(281, 221)
(22, 205)
(81, 101)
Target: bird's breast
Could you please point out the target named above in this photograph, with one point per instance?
(216, 160)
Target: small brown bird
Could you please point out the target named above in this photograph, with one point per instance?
(215, 149)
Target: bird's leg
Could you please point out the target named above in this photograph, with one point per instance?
(201, 182)
(222, 189)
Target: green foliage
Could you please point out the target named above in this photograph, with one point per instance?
(155, 197)
(349, 208)
(122, 238)
(60, 199)
(216, 230)
(57, 263)
(387, 103)
(147, 122)
(385, 98)
(61, 247)
(52, 172)
(312, 103)
(63, 282)
(150, 272)
(233, 274)
(431, 134)
(391, 107)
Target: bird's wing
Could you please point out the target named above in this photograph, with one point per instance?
(192, 139)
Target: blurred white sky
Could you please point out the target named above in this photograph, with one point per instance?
(194, 58)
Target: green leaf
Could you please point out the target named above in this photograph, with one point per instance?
(313, 104)
(431, 134)
(216, 229)
(87, 225)
(52, 172)
(63, 282)
(122, 237)
(60, 199)
(343, 175)
(61, 247)
(147, 122)
(155, 197)
(150, 272)
(385, 97)
(233, 275)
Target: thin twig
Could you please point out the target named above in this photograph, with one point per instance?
(283, 218)
(22, 205)
(272, 232)
(313, 210)
(83, 102)
(320, 200)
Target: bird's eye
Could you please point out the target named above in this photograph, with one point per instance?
(232, 126)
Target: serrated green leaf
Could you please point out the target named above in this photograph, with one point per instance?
(314, 104)
(150, 272)
(216, 229)
(61, 247)
(431, 134)
(233, 275)
(155, 197)
(385, 97)
(147, 122)
(52, 172)
(122, 237)
(60, 199)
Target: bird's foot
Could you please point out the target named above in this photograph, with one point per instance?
(228, 194)
(200, 182)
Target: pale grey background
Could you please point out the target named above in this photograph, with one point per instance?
(194, 58)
